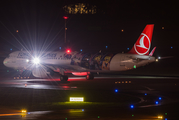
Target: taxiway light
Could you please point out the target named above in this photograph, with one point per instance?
(145, 93)
(165, 113)
(11, 49)
(132, 115)
(160, 98)
(98, 116)
(132, 106)
(134, 66)
(166, 119)
(127, 48)
(171, 47)
(60, 48)
(81, 50)
(156, 102)
(156, 60)
(106, 47)
(116, 90)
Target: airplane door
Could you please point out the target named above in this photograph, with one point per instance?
(122, 63)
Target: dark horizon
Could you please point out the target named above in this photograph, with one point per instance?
(41, 23)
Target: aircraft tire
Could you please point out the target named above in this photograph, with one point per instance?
(63, 78)
(90, 77)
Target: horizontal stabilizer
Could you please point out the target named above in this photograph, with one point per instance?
(152, 52)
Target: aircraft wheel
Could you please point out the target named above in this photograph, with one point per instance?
(90, 77)
(64, 78)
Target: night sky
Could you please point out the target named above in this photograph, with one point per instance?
(40, 25)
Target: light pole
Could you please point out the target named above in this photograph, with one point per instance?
(65, 17)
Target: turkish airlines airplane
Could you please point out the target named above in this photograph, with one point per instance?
(45, 64)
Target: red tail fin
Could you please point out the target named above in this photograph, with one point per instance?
(143, 43)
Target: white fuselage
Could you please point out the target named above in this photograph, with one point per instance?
(119, 62)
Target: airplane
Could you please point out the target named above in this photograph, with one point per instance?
(46, 64)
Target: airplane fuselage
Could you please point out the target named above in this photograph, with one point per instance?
(43, 63)
(112, 62)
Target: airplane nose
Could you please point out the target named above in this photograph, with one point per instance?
(5, 62)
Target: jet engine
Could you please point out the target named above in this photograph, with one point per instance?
(40, 72)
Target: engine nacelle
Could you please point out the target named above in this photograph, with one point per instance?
(40, 72)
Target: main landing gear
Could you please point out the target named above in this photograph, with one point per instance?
(63, 78)
(90, 77)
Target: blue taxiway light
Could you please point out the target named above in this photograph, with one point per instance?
(81, 50)
(106, 47)
(127, 48)
(166, 119)
(156, 102)
(171, 47)
(82, 109)
(160, 98)
(145, 93)
(132, 106)
(11, 49)
(116, 90)
(60, 48)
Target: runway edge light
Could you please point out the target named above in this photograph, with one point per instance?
(76, 99)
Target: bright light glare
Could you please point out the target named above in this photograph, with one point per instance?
(80, 99)
(36, 61)
(160, 117)
(27, 60)
(24, 111)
